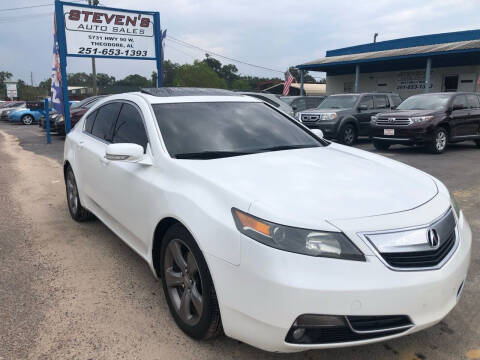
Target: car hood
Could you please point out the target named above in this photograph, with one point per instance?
(408, 113)
(306, 187)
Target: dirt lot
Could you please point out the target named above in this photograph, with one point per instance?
(75, 291)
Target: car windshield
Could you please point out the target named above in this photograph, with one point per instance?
(288, 99)
(210, 130)
(338, 102)
(425, 102)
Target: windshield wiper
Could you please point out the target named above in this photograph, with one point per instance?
(205, 155)
(285, 147)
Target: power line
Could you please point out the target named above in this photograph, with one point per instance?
(184, 43)
(33, 6)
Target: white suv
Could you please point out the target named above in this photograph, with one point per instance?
(262, 229)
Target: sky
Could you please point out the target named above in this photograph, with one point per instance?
(269, 33)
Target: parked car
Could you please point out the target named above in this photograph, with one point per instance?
(273, 100)
(259, 227)
(344, 117)
(25, 116)
(432, 120)
(300, 103)
(76, 112)
(11, 107)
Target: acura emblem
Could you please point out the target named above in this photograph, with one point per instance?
(433, 238)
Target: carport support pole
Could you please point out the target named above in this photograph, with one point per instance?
(357, 77)
(302, 74)
(427, 75)
(47, 120)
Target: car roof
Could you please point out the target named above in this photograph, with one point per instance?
(365, 93)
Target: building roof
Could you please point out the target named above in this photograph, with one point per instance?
(448, 49)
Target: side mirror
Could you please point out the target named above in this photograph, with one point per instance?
(362, 107)
(294, 107)
(458, 107)
(124, 152)
(317, 132)
(393, 107)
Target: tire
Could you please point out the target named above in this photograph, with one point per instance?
(185, 277)
(28, 119)
(347, 135)
(439, 143)
(477, 142)
(381, 145)
(77, 211)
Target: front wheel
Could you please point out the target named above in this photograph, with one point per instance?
(348, 135)
(27, 120)
(77, 211)
(381, 145)
(439, 143)
(188, 286)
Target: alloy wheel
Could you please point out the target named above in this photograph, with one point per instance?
(27, 120)
(183, 281)
(441, 141)
(349, 135)
(72, 192)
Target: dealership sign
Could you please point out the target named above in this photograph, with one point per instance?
(11, 89)
(101, 32)
(411, 81)
(111, 33)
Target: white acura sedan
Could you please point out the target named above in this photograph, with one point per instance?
(261, 229)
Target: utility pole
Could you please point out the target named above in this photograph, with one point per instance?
(94, 68)
(31, 78)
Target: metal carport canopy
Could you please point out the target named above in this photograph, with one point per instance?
(459, 53)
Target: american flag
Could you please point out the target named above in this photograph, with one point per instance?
(288, 81)
(57, 91)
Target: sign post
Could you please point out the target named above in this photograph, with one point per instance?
(104, 32)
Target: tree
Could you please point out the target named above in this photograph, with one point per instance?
(79, 79)
(135, 80)
(154, 78)
(46, 84)
(169, 71)
(296, 74)
(198, 75)
(240, 84)
(104, 80)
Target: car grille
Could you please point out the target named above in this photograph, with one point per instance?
(428, 256)
(394, 121)
(309, 117)
(378, 323)
(421, 259)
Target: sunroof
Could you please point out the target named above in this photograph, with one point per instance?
(186, 91)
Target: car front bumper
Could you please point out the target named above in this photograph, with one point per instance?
(262, 297)
(329, 128)
(408, 135)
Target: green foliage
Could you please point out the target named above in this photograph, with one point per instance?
(199, 74)
(135, 80)
(308, 79)
(240, 84)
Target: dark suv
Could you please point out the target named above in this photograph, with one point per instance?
(432, 120)
(346, 116)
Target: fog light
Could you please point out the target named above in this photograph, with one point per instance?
(308, 320)
(298, 333)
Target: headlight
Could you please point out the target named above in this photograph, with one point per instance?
(328, 116)
(298, 116)
(419, 119)
(373, 119)
(296, 240)
(455, 205)
(59, 119)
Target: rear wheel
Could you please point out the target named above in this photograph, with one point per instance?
(348, 135)
(439, 143)
(77, 211)
(380, 145)
(27, 119)
(188, 285)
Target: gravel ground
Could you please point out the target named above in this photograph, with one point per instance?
(75, 291)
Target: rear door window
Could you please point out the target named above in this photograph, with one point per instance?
(130, 128)
(368, 101)
(106, 117)
(89, 122)
(472, 101)
(381, 102)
